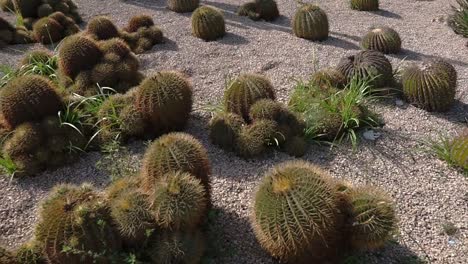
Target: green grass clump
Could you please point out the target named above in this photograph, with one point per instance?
(329, 78)
(182, 6)
(454, 151)
(383, 39)
(208, 23)
(310, 22)
(458, 21)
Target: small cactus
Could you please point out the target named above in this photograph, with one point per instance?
(244, 91)
(373, 218)
(139, 21)
(7, 256)
(329, 77)
(383, 39)
(249, 9)
(177, 247)
(178, 201)
(225, 129)
(28, 98)
(365, 5)
(208, 23)
(77, 53)
(459, 151)
(183, 6)
(254, 139)
(141, 34)
(259, 9)
(290, 189)
(431, 87)
(165, 101)
(368, 65)
(30, 253)
(102, 28)
(311, 22)
(47, 30)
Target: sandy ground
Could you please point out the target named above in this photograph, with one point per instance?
(427, 192)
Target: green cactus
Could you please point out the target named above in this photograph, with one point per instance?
(296, 146)
(368, 65)
(165, 100)
(28, 98)
(47, 30)
(458, 20)
(102, 28)
(383, 39)
(23, 36)
(30, 253)
(259, 9)
(75, 226)
(225, 129)
(208, 23)
(249, 9)
(139, 21)
(329, 78)
(244, 91)
(178, 201)
(311, 22)
(254, 139)
(23, 141)
(44, 10)
(76, 54)
(178, 247)
(141, 34)
(365, 5)
(7, 256)
(374, 218)
(182, 6)
(431, 87)
(459, 151)
(295, 210)
(175, 152)
(447, 67)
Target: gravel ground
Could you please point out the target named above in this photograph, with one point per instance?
(427, 192)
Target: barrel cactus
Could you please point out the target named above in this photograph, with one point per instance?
(368, 65)
(30, 253)
(141, 34)
(75, 226)
(47, 30)
(178, 201)
(225, 129)
(254, 139)
(374, 218)
(182, 6)
(7, 256)
(208, 23)
(383, 39)
(458, 21)
(431, 87)
(165, 101)
(329, 77)
(175, 152)
(365, 5)
(259, 9)
(177, 247)
(28, 98)
(244, 91)
(311, 22)
(102, 28)
(77, 53)
(290, 189)
(459, 151)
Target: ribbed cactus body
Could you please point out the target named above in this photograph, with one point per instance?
(77, 53)
(310, 22)
(102, 28)
(365, 5)
(178, 247)
(459, 151)
(383, 39)
(329, 77)
(208, 23)
(254, 139)
(182, 6)
(30, 253)
(225, 129)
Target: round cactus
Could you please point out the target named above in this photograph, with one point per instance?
(23, 141)
(28, 98)
(178, 201)
(141, 34)
(208, 23)
(139, 21)
(368, 65)
(259, 9)
(182, 6)
(175, 152)
(249, 9)
(35, 56)
(44, 10)
(74, 222)
(311, 22)
(365, 5)
(459, 151)
(373, 218)
(77, 53)
(178, 247)
(7, 256)
(383, 39)
(47, 30)
(244, 91)
(225, 129)
(329, 77)
(431, 87)
(165, 101)
(447, 67)
(291, 189)
(30, 253)
(254, 139)
(102, 28)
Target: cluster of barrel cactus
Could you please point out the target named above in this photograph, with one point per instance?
(383, 39)
(85, 63)
(10, 35)
(31, 10)
(432, 86)
(319, 218)
(252, 120)
(208, 23)
(53, 28)
(259, 9)
(141, 34)
(365, 5)
(310, 22)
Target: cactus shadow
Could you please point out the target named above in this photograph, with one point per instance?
(168, 44)
(149, 4)
(392, 253)
(233, 39)
(414, 55)
(386, 13)
(458, 113)
(340, 43)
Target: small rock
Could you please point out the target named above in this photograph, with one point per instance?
(371, 135)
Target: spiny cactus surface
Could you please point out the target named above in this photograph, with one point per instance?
(383, 39)
(208, 23)
(310, 22)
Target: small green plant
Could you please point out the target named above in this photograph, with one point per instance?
(458, 21)
(310, 22)
(208, 23)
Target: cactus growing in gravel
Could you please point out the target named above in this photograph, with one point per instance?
(365, 5)
(431, 87)
(165, 101)
(30, 253)
(329, 78)
(383, 39)
(177, 247)
(368, 65)
(101, 28)
(47, 30)
(28, 98)
(178, 201)
(290, 189)
(311, 22)
(75, 226)
(459, 151)
(259, 9)
(175, 152)
(182, 6)
(249, 9)
(244, 91)
(139, 21)
(374, 218)
(7, 256)
(458, 21)
(225, 129)
(254, 139)
(208, 23)
(24, 140)
(77, 53)
(141, 34)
